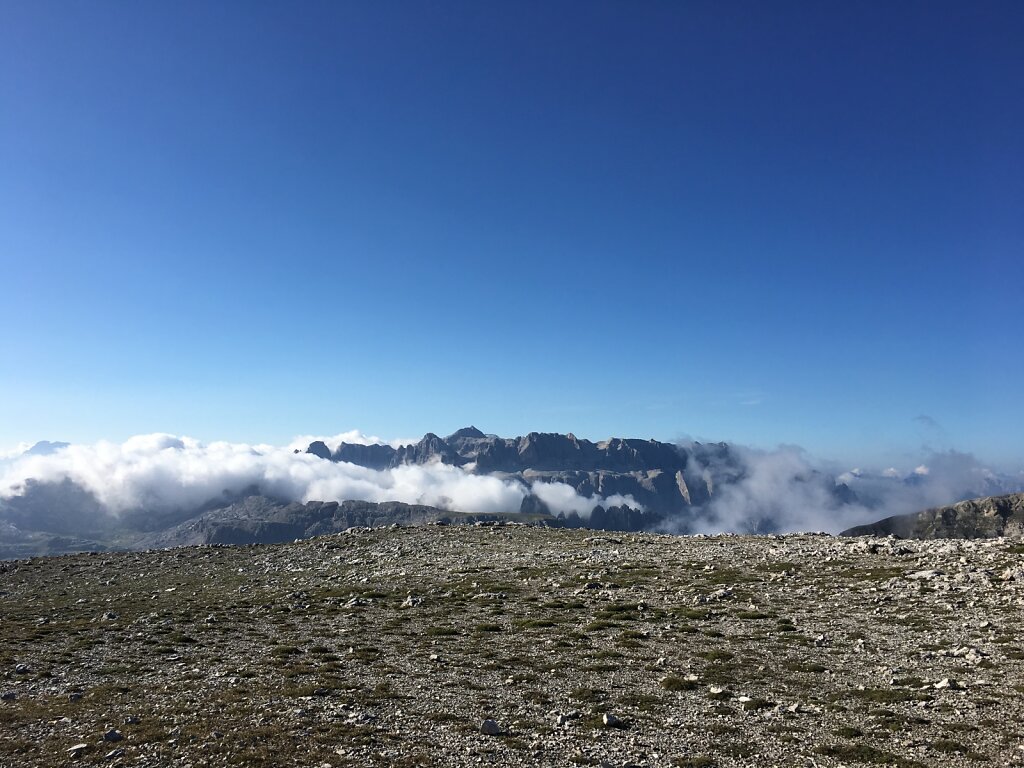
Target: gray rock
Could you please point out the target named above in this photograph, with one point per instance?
(490, 727)
(1012, 574)
(612, 721)
(713, 597)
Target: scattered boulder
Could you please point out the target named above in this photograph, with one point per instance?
(490, 727)
(612, 721)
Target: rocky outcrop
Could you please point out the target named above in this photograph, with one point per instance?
(621, 518)
(984, 518)
(318, 448)
(430, 449)
(372, 456)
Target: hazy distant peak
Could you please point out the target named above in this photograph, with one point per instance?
(45, 448)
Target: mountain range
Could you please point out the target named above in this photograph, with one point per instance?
(543, 478)
(655, 477)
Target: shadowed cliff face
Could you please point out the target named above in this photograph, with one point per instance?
(974, 519)
(541, 451)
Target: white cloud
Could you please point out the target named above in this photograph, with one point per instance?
(618, 500)
(166, 473)
(778, 491)
(560, 497)
(15, 452)
(786, 490)
(301, 442)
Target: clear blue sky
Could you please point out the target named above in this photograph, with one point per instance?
(760, 222)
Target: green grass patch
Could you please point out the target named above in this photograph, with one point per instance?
(676, 683)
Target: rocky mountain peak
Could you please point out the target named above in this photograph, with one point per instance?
(470, 431)
(319, 448)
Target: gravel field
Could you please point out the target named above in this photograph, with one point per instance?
(517, 645)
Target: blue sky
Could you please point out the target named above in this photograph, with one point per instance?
(759, 222)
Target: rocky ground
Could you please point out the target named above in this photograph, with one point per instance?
(399, 646)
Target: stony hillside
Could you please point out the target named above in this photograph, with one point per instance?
(515, 645)
(976, 518)
(259, 520)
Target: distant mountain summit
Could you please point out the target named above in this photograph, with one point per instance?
(45, 448)
(662, 478)
(470, 432)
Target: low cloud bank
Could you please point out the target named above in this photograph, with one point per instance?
(776, 491)
(353, 437)
(785, 490)
(559, 497)
(164, 474)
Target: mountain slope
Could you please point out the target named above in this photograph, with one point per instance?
(983, 518)
(260, 520)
